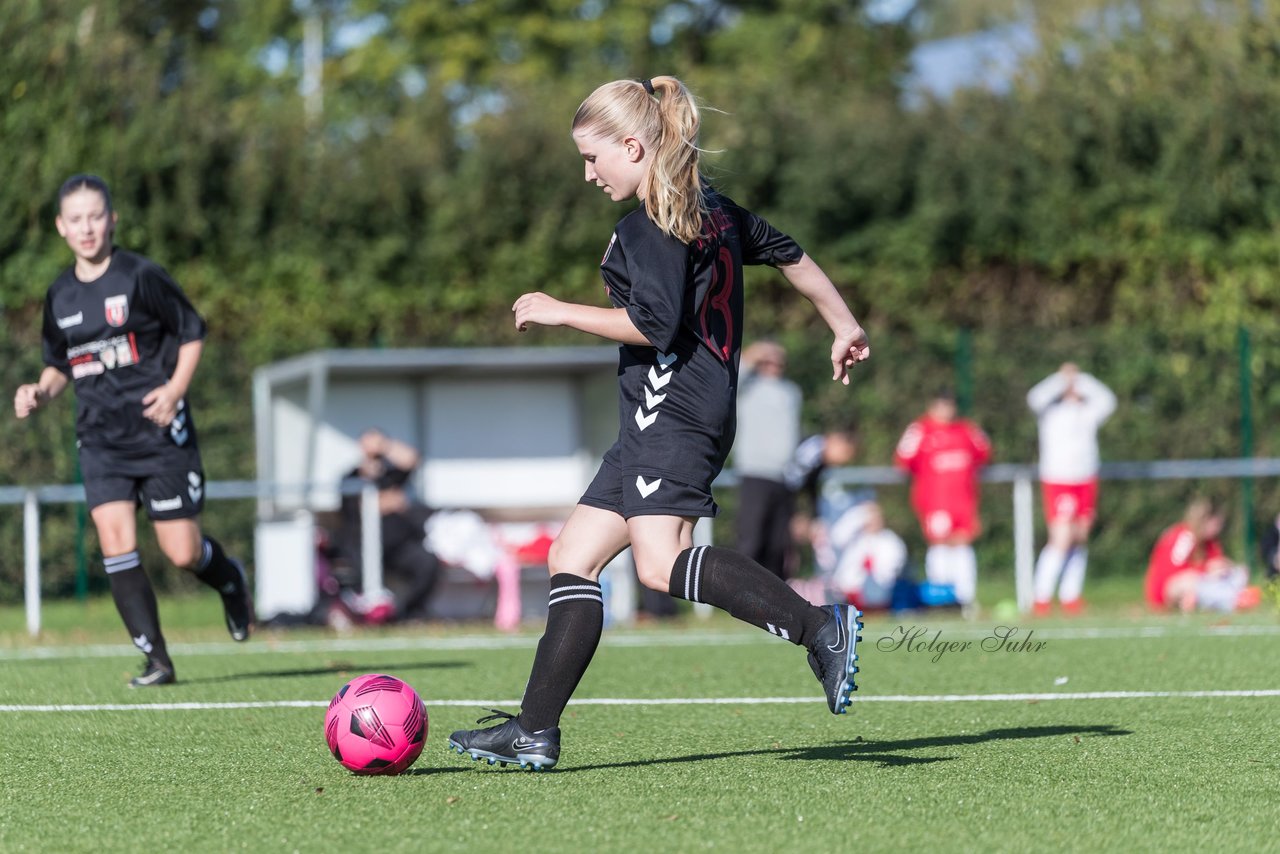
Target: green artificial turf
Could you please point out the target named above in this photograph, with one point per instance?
(945, 774)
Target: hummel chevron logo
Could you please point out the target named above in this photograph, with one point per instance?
(666, 360)
(643, 420)
(652, 400)
(658, 381)
(647, 489)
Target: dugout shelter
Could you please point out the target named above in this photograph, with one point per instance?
(512, 433)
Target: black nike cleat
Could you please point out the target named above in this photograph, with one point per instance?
(509, 743)
(153, 674)
(834, 655)
(237, 605)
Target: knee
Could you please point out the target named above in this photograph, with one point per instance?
(115, 539)
(561, 559)
(114, 543)
(184, 555)
(1061, 537)
(557, 558)
(654, 572)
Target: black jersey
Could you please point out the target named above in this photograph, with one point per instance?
(677, 398)
(117, 337)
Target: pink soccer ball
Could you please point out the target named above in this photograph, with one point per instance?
(376, 724)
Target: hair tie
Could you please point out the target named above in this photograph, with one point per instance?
(648, 85)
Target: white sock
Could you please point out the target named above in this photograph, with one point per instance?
(1073, 575)
(935, 565)
(964, 567)
(1048, 566)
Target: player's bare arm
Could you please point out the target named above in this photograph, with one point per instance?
(850, 345)
(612, 323)
(161, 404)
(32, 396)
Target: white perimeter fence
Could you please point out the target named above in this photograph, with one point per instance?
(1020, 476)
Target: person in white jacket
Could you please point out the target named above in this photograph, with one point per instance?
(1070, 406)
(868, 556)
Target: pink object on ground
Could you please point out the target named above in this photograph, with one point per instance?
(506, 616)
(376, 724)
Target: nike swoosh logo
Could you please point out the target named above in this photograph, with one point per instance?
(842, 638)
(521, 743)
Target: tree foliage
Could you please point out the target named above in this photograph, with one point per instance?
(1123, 191)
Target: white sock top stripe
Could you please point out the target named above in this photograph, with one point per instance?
(119, 563)
(688, 573)
(595, 587)
(697, 573)
(594, 597)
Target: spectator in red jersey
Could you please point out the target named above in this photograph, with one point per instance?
(1188, 569)
(943, 454)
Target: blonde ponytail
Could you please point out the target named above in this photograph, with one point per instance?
(664, 114)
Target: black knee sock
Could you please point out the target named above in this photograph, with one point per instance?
(737, 584)
(136, 602)
(216, 569)
(575, 618)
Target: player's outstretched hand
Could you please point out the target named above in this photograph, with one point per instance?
(161, 405)
(538, 308)
(849, 348)
(27, 400)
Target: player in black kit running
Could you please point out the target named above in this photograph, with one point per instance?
(673, 272)
(117, 326)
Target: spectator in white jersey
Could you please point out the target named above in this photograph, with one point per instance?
(864, 557)
(1070, 406)
(768, 432)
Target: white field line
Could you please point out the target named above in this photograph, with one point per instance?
(671, 701)
(623, 639)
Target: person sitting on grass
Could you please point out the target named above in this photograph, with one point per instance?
(866, 559)
(1189, 571)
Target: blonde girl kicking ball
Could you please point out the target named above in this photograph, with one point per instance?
(673, 275)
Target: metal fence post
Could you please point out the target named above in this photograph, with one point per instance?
(370, 541)
(1023, 540)
(31, 559)
(702, 536)
(1246, 444)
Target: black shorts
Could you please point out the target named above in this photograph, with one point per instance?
(636, 495)
(165, 495)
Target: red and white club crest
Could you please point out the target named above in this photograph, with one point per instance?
(117, 308)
